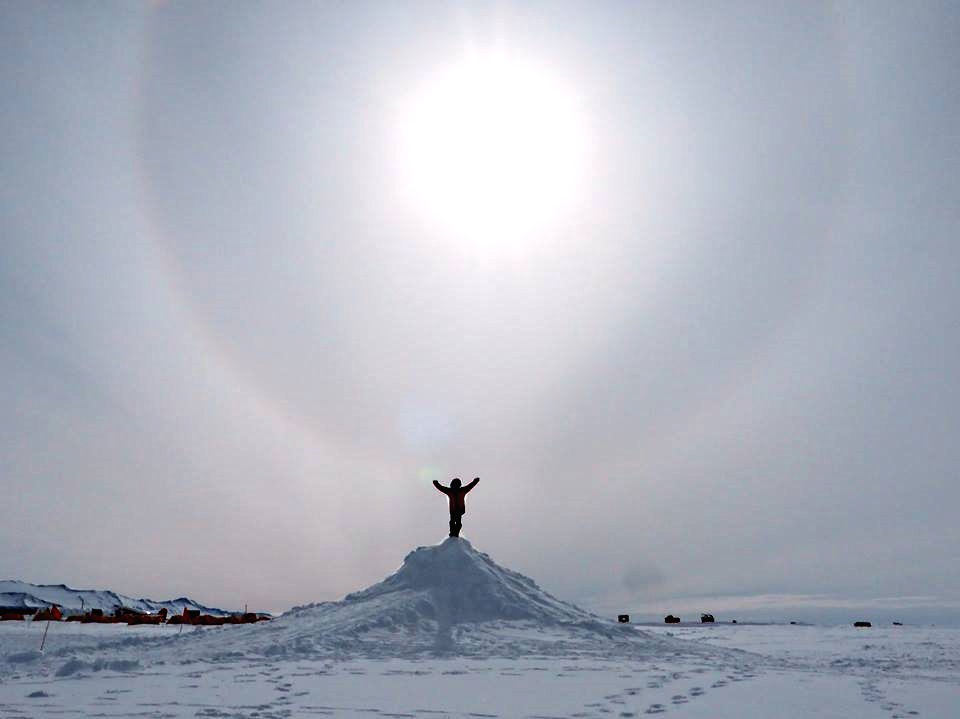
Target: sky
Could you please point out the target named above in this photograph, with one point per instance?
(685, 300)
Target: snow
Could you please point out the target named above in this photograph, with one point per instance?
(453, 634)
(23, 595)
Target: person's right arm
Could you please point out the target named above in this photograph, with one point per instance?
(439, 486)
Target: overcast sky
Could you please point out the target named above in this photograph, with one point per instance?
(234, 354)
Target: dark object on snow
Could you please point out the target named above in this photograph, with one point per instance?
(457, 506)
(134, 620)
(208, 620)
(188, 616)
(53, 614)
(706, 619)
(137, 618)
(124, 612)
(862, 624)
(670, 619)
(793, 622)
(733, 621)
(96, 616)
(11, 617)
(623, 618)
(254, 617)
(898, 624)
(19, 610)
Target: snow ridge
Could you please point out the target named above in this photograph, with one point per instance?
(15, 594)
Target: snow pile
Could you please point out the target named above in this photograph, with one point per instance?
(22, 595)
(454, 583)
(441, 587)
(444, 598)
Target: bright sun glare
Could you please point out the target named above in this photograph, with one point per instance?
(493, 150)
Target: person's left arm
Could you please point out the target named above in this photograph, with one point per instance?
(471, 485)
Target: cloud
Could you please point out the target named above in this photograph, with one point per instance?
(643, 577)
(729, 374)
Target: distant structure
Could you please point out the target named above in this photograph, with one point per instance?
(46, 615)
(670, 619)
(706, 619)
(862, 624)
(623, 618)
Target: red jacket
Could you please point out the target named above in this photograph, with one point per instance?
(456, 495)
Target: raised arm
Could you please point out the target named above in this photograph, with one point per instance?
(471, 485)
(439, 486)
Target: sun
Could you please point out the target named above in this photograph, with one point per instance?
(492, 150)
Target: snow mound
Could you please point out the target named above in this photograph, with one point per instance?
(447, 598)
(454, 583)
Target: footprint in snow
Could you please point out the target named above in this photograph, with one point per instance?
(679, 699)
(656, 709)
(697, 692)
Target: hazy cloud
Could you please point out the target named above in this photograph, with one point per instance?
(227, 343)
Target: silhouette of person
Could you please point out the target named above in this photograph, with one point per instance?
(457, 507)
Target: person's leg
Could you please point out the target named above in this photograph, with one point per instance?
(455, 525)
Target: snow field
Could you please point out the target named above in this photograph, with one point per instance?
(453, 634)
(708, 686)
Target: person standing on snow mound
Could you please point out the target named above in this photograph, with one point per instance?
(457, 507)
